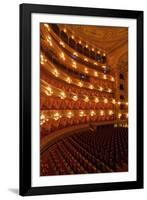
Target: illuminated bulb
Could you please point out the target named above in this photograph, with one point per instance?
(126, 103)
(92, 113)
(96, 100)
(68, 79)
(64, 30)
(81, 114)
(101, 112)
(91, 87)
(86, 70)
(98, 52)
(105, 100)
(62, 56)
(92, 49)
(69, 114)
(110, 112)
(118, 102)
(104, 54)
(112, 78)
(63, 95)
(105, 77)
(85, 59)
(42, 117)
(72, 37)
(62, 44)
(75, 98)
(113, 101)
(56, 116)
(46, 25)
(126, 115)
(101, 89)
(75, 54)
(95, 73)
(109, 90)
(79, 41)
(74, 65)
(104, 67)
(86, 45)
(80, 84)
(49, 91)
(119, 115)
(86, 99)
(56, 73)
(95, 63)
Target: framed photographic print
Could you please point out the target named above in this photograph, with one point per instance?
(81, 99)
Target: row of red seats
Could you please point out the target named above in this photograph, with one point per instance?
(105, 150)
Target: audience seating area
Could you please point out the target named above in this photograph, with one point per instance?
(104, 149)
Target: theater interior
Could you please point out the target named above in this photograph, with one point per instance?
(83, 99)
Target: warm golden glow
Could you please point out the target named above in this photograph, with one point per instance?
(104, 76)
(62, 44)
(91, 87)
(101, 112)
(119, 115)
(70, 114)
(113, 101)
(81, 114)
(86, 70)
(92, 113)
(62, 95)
(110, 112)
(42, 117)
(56, 73)
(86, 99)
(95, 63)
(92, 49)
(56, 116)
(85, 59)
(75, 98)
(68, 79)
(80, 84)
(95, 73)
(96, 100)
(72, 37)
(105, 100)
(62, 56)
(64, 30)
(101, 89)
(49, 91)
(75, 54)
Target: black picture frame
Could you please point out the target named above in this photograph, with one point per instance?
(25, 187)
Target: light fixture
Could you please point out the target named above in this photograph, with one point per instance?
(81, 114)
(49, 91)
(92, 49)
(80, 84)
(85, 59)
(68, 79)
(105, 100)
(64, 30)
(79, 41)
(62, 44)
(109, 90)
(86, 46)
(110, 112)
(91, 86)
(112, 78)
(62, 95)
(101, 112)
(104, 76)
(119, 115)
(46, 25)
(42, 117)
(100, 88)
(95, 73)
(92, 113)
(62, 56)
(70, 114)
(86, 99)
(56, 116)
(118, 103)
(75, 98)
(96, 100)
(113, 101)
(72, 37)
(95, 63)
(75, 54)
(56, 73)
(86, 70)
